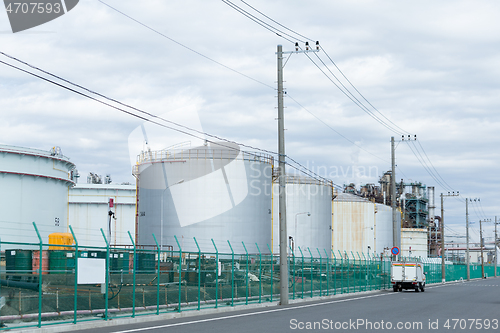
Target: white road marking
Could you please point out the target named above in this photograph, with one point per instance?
(250, 314)
(267, 311)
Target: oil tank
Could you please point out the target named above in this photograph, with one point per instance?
(360, 225)
(309, 215)
(215, 191)
(33, 187)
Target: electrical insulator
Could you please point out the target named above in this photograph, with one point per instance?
(317, 45)
(296, 46)
(307, 46)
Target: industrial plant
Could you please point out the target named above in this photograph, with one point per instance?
(193, 198)
(201, 227)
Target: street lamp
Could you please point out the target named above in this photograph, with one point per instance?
(162, 203)
(295, 231)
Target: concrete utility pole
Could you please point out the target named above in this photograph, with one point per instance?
(443, 268)
(396, 227)
(282, 176)
(467, 260)
(481, 243)
(282, 185)
(496, 246)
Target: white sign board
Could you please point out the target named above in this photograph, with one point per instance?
(91, 271)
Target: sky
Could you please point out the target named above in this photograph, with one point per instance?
(430, 68)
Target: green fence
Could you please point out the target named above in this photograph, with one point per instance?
(44, 287)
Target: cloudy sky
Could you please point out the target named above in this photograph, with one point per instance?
(431, 68)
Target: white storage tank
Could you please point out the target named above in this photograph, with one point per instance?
(382, 230)
(34, 187)
(360, 225)
(209, 192)
(353, 224)
(89, 208)
(308, 214)
(414, 242)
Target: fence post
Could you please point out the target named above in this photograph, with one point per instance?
(246, 280)
(75, 296)
(341, 273)
(354, 270)
(320, 280)
(260, 273)
(232, 273)
(293, 273)
(199, 272)
(216, 274)
(327, 273)
(302, 277)
(180, 273)
(335, 279)
(39, 278)
(133, 276)
(366, 274)
(158, 277)
(359, 268)
(312, 284)
(106, 299)
(272, 268)
(348, 272)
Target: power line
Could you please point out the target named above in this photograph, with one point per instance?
(347, 92)
(186, 47)
(125, 105)
(334, 130)
(358, 102)
(392, 126)
(259, 21)
(281, 25)
(433, 166)
(192, 50)
(425, 167)
(402, 131)
(300, 167)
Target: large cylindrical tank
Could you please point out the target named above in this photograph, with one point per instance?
(33, 188)
(209, 192)
(414, 242)
(353, 225)
(308, 214)
(361, 226)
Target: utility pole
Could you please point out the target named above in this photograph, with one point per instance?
(467, 260)
(495, 246)
(443, 267)
(481, 245)
(396, 227)
(282, 176)
(282, 185)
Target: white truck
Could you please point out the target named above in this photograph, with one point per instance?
(407, 275)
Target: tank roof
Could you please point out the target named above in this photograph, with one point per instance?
(54, 154)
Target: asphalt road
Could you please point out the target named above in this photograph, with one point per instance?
(461, 307)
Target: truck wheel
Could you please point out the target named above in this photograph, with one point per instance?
(400, 287)
(417, 289)
(422, 287)
(395, 288)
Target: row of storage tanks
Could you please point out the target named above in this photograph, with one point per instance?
(227, 200)
(212, 192)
